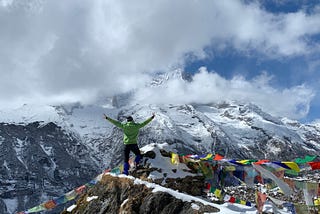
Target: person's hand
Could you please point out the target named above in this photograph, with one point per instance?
(105, 116)
(153, 115)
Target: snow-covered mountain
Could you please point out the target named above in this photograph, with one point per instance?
(46, 150)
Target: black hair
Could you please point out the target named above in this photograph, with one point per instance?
(129, 118)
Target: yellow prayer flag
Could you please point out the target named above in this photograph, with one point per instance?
(217, 193)
(230, 168)
(292, 165)
(174, 158)
(243, 161)
(317, 202)
(243, 202)
(207, 157)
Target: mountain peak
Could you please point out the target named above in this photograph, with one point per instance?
(177, 74)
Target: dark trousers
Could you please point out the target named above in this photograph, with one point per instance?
(135, 149)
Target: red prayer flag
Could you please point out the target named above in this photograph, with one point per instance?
(80, 189)
(208, 186)
(314, 165)
(261, 162)
(218, 157)
(232, 199)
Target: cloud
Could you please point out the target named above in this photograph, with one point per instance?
(209, 87)
(55, 51)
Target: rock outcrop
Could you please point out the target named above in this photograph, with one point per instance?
(121, 195)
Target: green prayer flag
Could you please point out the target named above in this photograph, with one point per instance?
(291, 172)
(306, 159)
(37, 209)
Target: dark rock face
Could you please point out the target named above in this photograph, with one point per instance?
(192, 185)
(38, 161)
(120, 195)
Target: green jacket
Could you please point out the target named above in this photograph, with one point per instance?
(130, 129)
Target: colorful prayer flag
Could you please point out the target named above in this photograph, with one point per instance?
(217, 193)
(262, 161)
(174, 158)
(247, 162)
(80, 189)
(306, 159)
(218, 157)
(248, 203)
(50, 204)
(38, 208)
(208, 157)
(243, 202)
(314, 165)
(317, 202)
(61, 200)
(71, 195)
(267, 174)
(292, 165)
(232, 199)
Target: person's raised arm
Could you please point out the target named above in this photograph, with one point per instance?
(147, 121)
(114, 122)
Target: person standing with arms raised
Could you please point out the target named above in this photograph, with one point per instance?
(130, 135)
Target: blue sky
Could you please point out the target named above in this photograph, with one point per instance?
(262, 52)
(287, 71)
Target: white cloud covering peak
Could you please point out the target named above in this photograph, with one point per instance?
(209, 87)
(58, 51)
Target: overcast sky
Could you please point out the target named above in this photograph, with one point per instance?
(264, 52)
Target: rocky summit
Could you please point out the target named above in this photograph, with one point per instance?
(153, 188)
(121, 195)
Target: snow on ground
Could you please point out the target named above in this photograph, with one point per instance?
(164, 163)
